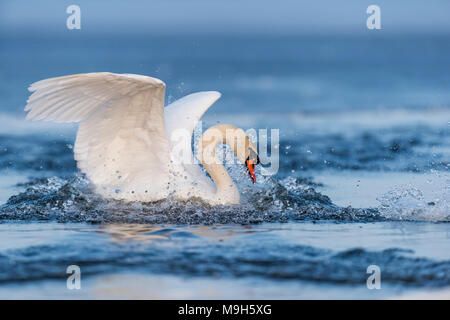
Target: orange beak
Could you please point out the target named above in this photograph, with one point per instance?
(250, 164)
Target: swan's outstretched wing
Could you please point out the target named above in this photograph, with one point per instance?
(121, 143)
(181, 117)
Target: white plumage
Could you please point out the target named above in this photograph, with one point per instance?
(124, 141)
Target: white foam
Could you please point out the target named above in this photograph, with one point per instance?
(408, 201)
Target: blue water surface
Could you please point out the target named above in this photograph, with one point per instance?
(363, 178)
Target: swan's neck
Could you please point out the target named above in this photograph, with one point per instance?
(226, 191)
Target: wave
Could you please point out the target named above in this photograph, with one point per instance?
(416, 149)
(409, 203)
(290, 199)
(73, 200)
(197, 257)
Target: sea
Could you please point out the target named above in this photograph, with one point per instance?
(359, 207)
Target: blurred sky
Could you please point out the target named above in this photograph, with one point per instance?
(224, 16)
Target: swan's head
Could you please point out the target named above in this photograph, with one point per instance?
(244, 149)
(235, 138)
(250, 164)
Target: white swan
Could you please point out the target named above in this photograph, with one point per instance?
(131, 147)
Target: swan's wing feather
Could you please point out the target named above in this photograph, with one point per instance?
(181, 117)
(184, 113)
(121, 143)
(62, 99)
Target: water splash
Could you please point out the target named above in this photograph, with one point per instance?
(408, 203)
(274, 201)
